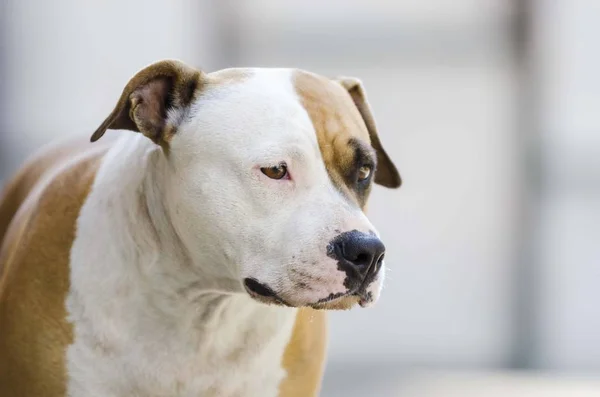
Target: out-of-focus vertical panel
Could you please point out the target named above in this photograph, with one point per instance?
(568, 244)
(4, 161)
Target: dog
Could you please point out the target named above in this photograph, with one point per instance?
(195, 254)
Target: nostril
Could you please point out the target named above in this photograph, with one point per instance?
(363, 259)
(360, 249)
(379, 262)
(359, 252)
(354, 253)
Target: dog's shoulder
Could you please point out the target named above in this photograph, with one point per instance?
(37, 170)
(38, 213)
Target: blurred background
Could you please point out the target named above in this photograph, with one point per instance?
(490, 109)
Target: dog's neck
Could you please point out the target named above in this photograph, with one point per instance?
(138, 296)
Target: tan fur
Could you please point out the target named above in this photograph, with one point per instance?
(39, 210)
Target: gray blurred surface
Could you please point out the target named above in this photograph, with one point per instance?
(391, 383)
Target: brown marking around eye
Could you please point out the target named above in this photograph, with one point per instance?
(339, 128)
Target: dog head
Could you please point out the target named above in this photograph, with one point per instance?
(268, 175)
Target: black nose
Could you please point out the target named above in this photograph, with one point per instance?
(359, 254)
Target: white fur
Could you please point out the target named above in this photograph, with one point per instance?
(164, 241)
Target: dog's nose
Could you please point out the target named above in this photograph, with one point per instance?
(360, 254)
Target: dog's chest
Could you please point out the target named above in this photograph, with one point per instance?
(249, 369)
(235, 351)
(240, 358)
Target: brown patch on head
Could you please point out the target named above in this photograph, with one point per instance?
(344, 136)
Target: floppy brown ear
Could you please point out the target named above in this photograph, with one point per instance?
(150, 102)
(386, 174)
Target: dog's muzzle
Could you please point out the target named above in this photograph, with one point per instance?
(358, 255)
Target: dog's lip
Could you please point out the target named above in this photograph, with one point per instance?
(265, 294)
(364, 297)
(256, 287)
(332, 297)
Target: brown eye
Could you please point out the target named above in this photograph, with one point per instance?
(275, 172)
(364, 173)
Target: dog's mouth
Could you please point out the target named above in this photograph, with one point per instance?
(340, 301)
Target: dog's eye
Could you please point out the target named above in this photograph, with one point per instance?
(275, 172)
(364, 173)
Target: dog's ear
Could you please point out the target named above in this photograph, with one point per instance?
(154, 101)
(386, 174)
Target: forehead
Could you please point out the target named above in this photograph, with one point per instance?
(291, 104)
(332, 112)
(255, 105)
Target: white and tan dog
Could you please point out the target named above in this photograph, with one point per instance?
(192, 256)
